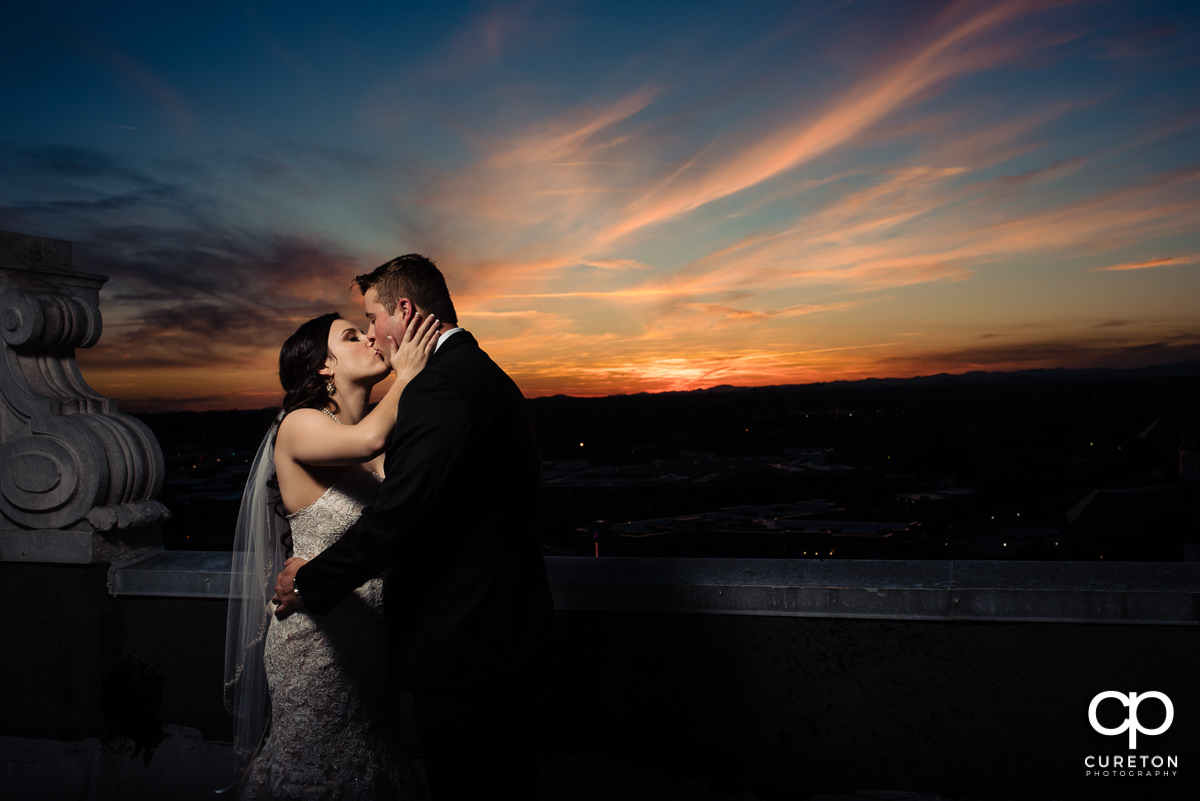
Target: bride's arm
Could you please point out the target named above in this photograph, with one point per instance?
(311, 437)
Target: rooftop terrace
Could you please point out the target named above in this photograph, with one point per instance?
(673, 678)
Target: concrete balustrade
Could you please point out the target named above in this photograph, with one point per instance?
(77, 478)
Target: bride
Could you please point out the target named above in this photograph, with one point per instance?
(328, 731)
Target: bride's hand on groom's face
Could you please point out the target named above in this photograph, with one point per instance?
(409, 355)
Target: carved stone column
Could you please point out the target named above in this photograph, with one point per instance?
(77, 478)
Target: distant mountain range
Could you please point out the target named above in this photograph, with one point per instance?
(975, 377)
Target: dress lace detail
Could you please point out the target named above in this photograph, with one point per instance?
(332, 735)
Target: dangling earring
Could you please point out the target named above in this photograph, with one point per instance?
(329, 386)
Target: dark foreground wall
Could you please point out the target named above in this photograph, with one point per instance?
(108, 697)
(789, 706)
(87, 664)
(785, 683)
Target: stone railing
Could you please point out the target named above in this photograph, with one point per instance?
(1136, 593)
(790, 677)
(77, 478)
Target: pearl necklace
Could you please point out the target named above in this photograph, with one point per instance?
(334, 416)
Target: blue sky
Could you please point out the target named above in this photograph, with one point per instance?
(624, 197)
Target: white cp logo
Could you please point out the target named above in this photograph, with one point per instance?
(1131, 722)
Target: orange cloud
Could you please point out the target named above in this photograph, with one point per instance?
(570, 141)
(953, 51)
(1151, 263)
(485, 37)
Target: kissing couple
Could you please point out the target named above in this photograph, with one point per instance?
(407, 540)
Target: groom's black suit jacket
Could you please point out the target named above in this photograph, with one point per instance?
(465, 593)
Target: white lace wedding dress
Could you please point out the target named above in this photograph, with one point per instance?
(333, 732)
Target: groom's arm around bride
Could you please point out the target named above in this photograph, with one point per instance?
(466, 602)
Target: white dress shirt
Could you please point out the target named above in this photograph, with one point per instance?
(442, 337)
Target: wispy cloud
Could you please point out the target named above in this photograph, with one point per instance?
(951, 47)
(147, 82)
(627, 201)
(486, 36)
(571, 141)
(192, 292)
(1149, 264)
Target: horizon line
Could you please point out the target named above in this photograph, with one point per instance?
(1194, 365)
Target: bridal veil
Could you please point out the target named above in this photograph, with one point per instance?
(259, 551)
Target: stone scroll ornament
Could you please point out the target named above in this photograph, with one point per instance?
(69, 460)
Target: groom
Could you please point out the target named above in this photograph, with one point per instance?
(468, 607)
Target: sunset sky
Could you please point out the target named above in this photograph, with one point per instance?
(624, 197)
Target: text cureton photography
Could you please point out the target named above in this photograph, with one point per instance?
(1131, 765)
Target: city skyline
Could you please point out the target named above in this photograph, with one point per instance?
(623, 198)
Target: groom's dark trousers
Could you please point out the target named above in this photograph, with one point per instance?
(478, 743)
(466, 600)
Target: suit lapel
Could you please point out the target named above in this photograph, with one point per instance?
(459, 340)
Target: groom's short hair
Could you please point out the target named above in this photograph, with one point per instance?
(411, 276)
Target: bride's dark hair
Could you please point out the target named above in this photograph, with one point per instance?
(300, 361)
